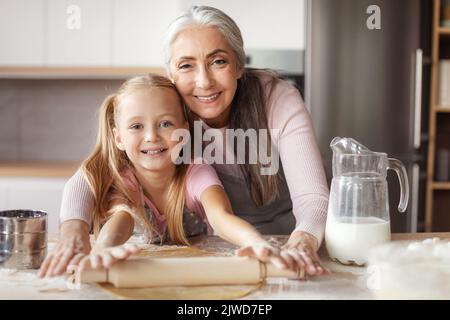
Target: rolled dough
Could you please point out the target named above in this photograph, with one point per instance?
(180, 293)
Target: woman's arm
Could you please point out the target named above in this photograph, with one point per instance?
(75, 222)
(304, 173)
(73, 245)
(77, 200)
(301, 160)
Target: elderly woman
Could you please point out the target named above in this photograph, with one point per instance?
(206, 62)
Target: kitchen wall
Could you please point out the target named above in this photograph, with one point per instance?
(55, 120)
(50, 120)
(53, 77)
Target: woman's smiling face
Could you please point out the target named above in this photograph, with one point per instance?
(204, 69)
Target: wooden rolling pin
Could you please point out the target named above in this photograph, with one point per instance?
(192, 271)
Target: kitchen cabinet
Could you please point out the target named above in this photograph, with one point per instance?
(437, 216)
(138, 31)
(118, 33)
(83, 33)
(78, 33)
(22, 32)
(39, 33)
(38, 193)
(271, 25)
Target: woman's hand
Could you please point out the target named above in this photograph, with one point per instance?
(106, 257)
(73, 245)
(302, 247)
(267, 253)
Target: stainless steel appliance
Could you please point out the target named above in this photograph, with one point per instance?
(290, 64)
(363, 79)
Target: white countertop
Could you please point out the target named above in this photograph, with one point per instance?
(345, 282)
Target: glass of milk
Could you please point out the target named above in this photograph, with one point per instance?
(358, 209)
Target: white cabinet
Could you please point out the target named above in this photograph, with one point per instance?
(79, 32)
(33, 193)
(129, 32)
(270, 24)
(139, 27)
(42, 33)
(22, 38)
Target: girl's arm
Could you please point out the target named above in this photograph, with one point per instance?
(228, 226)
(108, 248)
(116, 231)
(238, 231)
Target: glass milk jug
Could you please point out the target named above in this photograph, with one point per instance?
(358, 209)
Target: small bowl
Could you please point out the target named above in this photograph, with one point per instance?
(23, 238)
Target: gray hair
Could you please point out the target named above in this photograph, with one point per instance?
(206, 16)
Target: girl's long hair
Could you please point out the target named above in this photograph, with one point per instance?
(102, 169)
(249, 104)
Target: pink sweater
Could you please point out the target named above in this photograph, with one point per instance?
(299, 155)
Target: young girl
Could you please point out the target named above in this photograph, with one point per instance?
(136, 185)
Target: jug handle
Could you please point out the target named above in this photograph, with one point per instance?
(399, 168)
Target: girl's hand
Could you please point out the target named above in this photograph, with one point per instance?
(302, 247)
(72, 246)
(265, 252)
(106, 257)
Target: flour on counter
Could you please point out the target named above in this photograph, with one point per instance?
(412, 270)
(8, 272)
(29, 278)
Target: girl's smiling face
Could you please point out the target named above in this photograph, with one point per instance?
(145, 122)
(204, 69)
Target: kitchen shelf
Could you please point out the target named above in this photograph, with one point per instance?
(441, 185)
(82, 72)
(38, 169)
(442, 109)
(436, 207)
(444, 30)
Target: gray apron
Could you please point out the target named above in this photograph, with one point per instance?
(274, 218)
(193, 226)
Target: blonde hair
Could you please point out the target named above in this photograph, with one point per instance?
(102, 169)
(249, 103)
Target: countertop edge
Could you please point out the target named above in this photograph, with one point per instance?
(38, 169)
